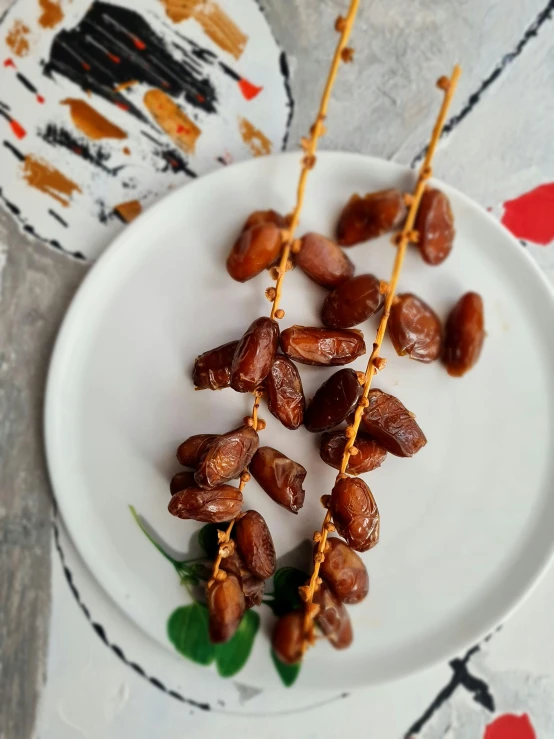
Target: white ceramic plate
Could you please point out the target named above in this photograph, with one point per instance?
(466, 525)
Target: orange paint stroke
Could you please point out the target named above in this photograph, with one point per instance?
(169, 116)
(17, 38)
(257, 142)
(126, 151)
(125, 85)
(90, 122)
(128, 211)
(51, 15)
(44, 177)
(214, 21)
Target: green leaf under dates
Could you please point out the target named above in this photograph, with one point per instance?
(287, 673)
(233, 655)
(286, 582)
(187, 629)
(176, 563)
(207, 538)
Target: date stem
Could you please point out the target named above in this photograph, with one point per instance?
(407, 235)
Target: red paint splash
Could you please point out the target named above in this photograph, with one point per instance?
(9, 63)
(40, 99)
(531, 215)
(201, 98)
(86, 66)
(122, 105)
(510, 726)
(115, 59)
(248, 89)
(18, 129)
(138, 43)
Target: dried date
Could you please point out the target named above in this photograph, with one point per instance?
(322, 346)
(415, 329)
(252, 587)
(226, 607)
(392, 424)
(285, 395)
(257, 246)
(333, 618)
(254, 355)
(323, 261)
(288, 637)
(255, 545)
(226, 457)
(181, 481)
(209, 506)
(465, 334)
(435, 226)
(353, 302)
(370, 453)
(345, 572)
(212, 370)
(333, 401)
(279, 477)
(191, 451)
(355, 513)
(371, 216)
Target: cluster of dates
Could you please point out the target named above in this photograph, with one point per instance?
(263, 362)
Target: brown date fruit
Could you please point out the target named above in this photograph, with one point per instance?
(353, 302)
(209, 506)
(226, 457)
(254, 355)
(345, 572)
(181, 481)
(255, 545)
(355, 513)
(435, 226)
(226, 607)
(288, 637)
(322, 346)
(370, 453)
(191, 451)
(333, 618)
(212, 370)
(392, 424)
(285, 395)
(279, 477)
(323, 261)
(415, 329)
(465, 333)
(334, 401)
(371, 216)
(257, 246)
(252, 587)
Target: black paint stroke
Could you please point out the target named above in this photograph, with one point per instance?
(14, 150)
(93, 154)
(284, 66)
(26, 83)
(531, 32)
(58, 217)
(171, 158)
(4, 105)
(101, 52)
(101, 633)
(461, 677)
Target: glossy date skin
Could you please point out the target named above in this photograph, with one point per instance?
(345, 572)
(465, 334)
(191, 451)
(285, 395)
(226, 607)
(415, 329)
(371, 454)
(322, 347)
(355, 513)
(333, 618)
(280, 477)
(288, 637)
(388, 421)
(252, 587)
(208, 506)
(334, 401)
(435, 226)
(254, 355)
(353, 302)
(212, 369)
(370, 216)
(181, 481)
(257, 246)
(226, 457)
(255, 545)
(323, 261)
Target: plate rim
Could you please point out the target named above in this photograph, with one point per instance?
(102, 265)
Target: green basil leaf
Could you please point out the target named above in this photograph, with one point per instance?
(187, 629)
(286, 582)
(231, 657)
(178, 565)
(287, 673)
(207, 538)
